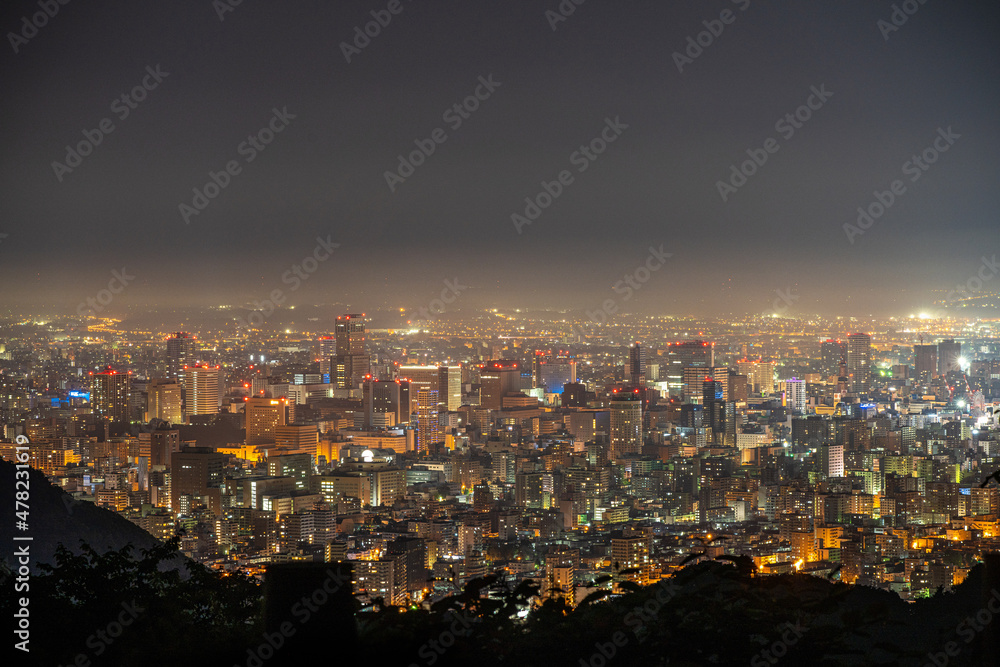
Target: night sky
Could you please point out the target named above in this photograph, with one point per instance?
(553, 91)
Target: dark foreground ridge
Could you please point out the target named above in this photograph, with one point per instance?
(123, 608)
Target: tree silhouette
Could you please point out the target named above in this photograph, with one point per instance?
(80, 595)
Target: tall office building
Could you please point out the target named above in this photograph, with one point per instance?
(736, 387)
(626, 424)
(949, 352)
(382, 404)
(691, 353)
(720, 374)
(421, 377)
(164, 401)
(554, 374)
(925, 361)
(428, 421)
(450, 387)
(795, 394)
(110, 394)
(859, 362)
(180, 353)
(406, 401)
(714, 409)
(351, 363)
(832, 351)
(760, 375)
(196, 472)
(327, 348)
(201, 389)
(688, 354)
(159, 445)
(498, 378)
(831, 459)
(263, 417)
(637, 365)
(695, 377)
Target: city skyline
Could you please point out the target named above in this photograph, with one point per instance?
(657, 332)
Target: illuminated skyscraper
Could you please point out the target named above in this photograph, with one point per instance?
(760, 375)
(180, 352)
(688, 354)
(420, 377)
(714, 408)
(382, 403)
(626, 424)
(327, 348)
(201, 389)
(428, 421)
(859, 362)
(498, 378)
(795, 392)
(695, 377)
(263, 416)
(351, 363)
(450, 387)
(555, 373)
(446, 380)
(422, 386)
(110, 394)
(164, 401)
